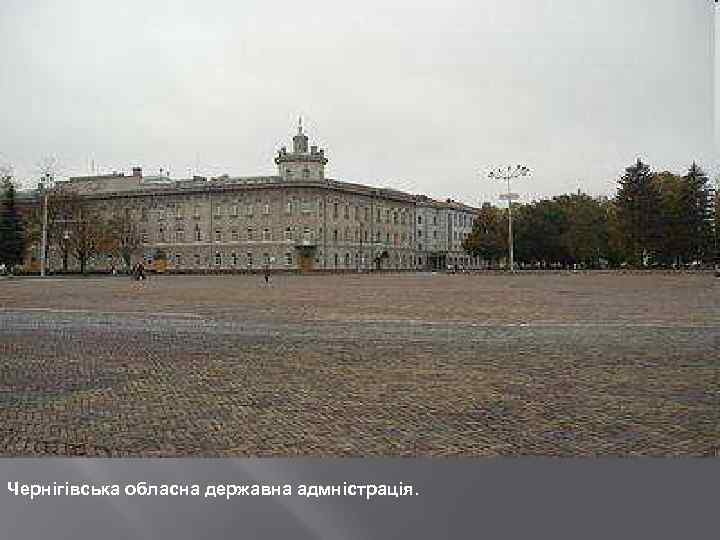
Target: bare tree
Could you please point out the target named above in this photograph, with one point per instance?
(88, 234)
(125, 236)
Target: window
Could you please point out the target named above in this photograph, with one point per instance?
(307, 207)
(288, 259)
(234, 258)
(336, 260)
(335, 235)
(378, 215)
(288, 207)
(266, 209)
(218, 258)
(197, 260)
(218, 235)
(196, 212)
(266, 258)
(161, 235)
(395, 218)
(179, 211)
(248, 209)
(420, 247)
(347, 211)
(395, 239)
(179, 235)
(218, 210)
(288, 234)
(198, 234)
(266, 235)
(143, 237)
(234, 235)
(306, 173)
(402, 218)
(367, 213)
(434, 234)
(419, 220)
(178, 259)
(366, 235)
(335, 210)
(347, 259)
(434, 220)
(387, 215)
(249, 233)
(387, 238)
(420, 233)
(249, 259)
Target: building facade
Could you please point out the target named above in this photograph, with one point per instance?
(296, 220)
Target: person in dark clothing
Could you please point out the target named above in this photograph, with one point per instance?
(267, 275)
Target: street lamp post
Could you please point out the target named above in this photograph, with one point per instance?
(509, 174)
(43, 255)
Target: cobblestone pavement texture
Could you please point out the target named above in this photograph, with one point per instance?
(475, 365)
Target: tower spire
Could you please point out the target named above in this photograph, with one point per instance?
(299, 125)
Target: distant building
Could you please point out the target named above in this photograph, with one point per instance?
(298, 219)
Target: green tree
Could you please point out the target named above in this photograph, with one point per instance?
(12, 237)
(685, 217)
(585, 237)
(539, 228)
(638, 213)
(674, 241)
(488, 239)
(616, 254)
(697, 200)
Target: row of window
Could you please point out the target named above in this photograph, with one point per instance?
(290, 234)
(236, 259)
(420, 220)
(394, 216)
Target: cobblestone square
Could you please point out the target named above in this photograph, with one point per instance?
(361, 365)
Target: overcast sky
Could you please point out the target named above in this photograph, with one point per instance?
(420, 96)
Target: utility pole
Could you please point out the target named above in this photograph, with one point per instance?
(43, 256)
(509, 174)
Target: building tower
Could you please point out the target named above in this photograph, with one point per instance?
(301, 164)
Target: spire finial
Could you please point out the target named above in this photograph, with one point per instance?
(299, 125)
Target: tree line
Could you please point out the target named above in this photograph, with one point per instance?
(654, 219)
